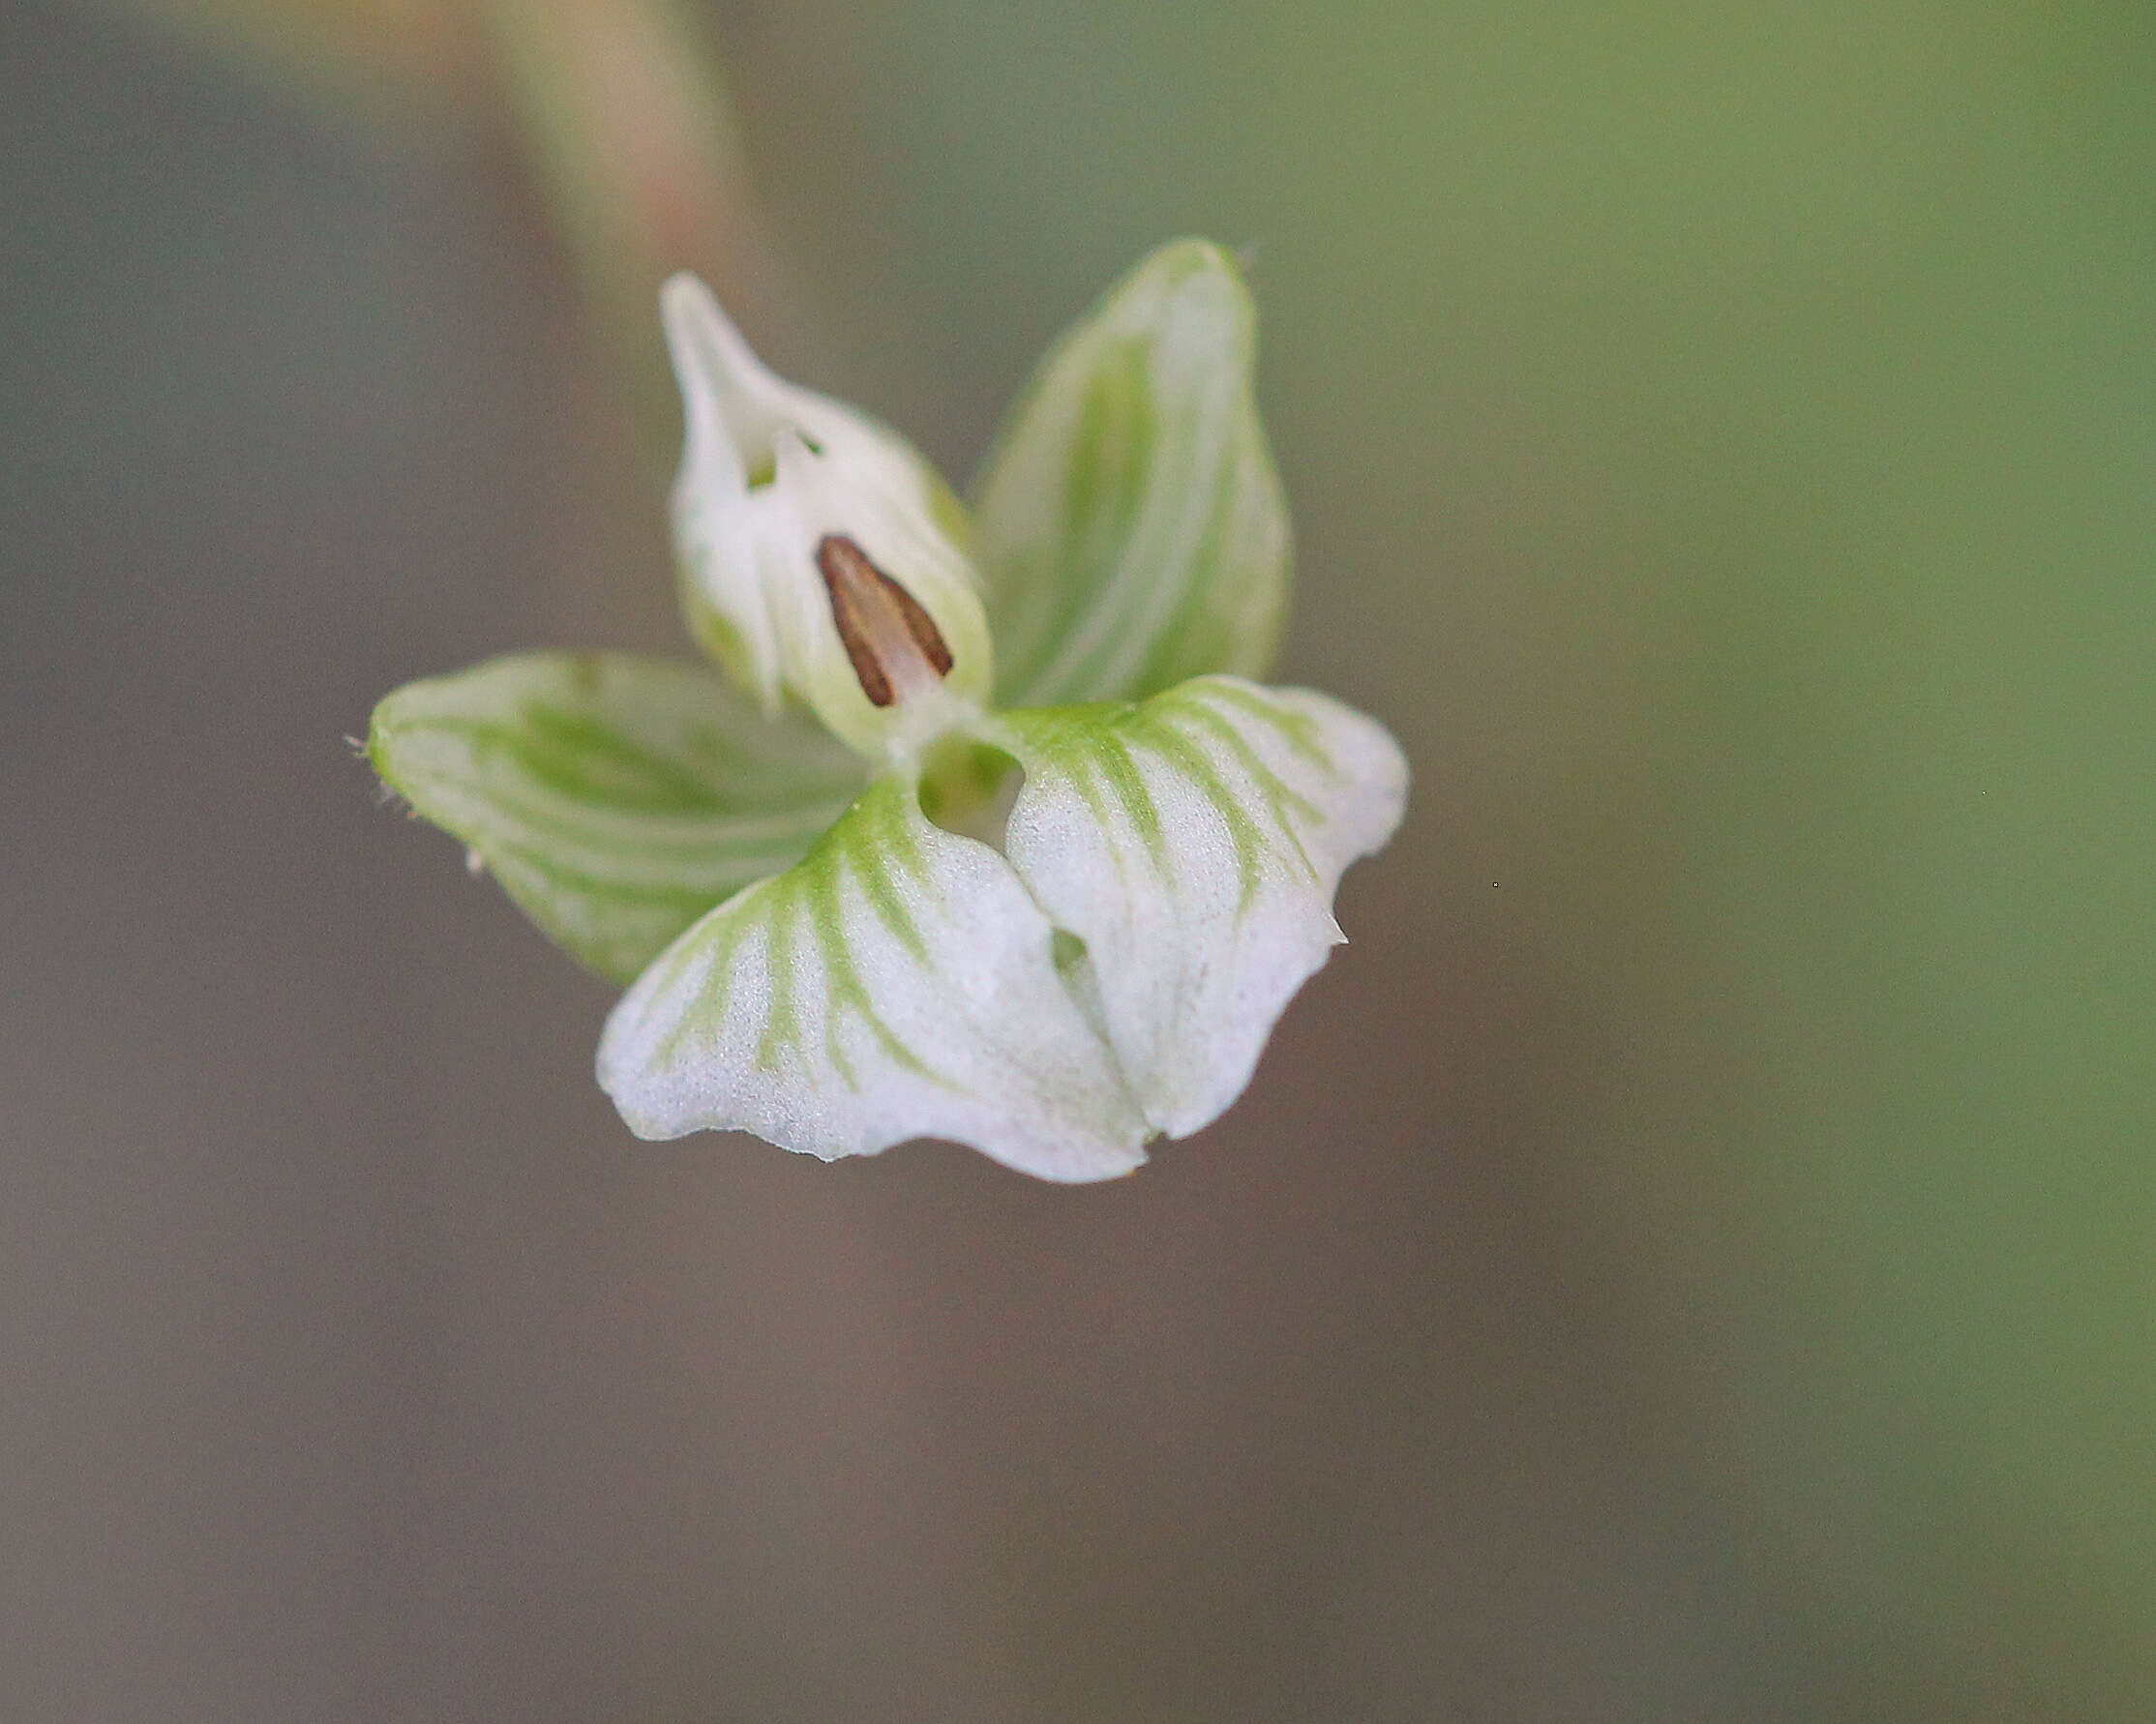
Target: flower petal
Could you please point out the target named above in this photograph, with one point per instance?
(616, 799)
(1194, 842)
(1131, 525)
(770, 473)
(898, 983)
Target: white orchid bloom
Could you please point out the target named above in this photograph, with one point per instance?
(1050, 908)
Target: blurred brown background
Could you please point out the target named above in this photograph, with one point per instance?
(1689, 1259)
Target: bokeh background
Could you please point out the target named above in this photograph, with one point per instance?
(1692, 1257)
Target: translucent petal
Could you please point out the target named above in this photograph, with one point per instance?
(616, 799)
(1131, 528)
(897, 983)
(1194, 842)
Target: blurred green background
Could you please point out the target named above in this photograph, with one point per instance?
(1694, 1255)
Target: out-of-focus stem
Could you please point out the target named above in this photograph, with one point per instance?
(620, 108)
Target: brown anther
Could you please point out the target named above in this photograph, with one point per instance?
(887, 632)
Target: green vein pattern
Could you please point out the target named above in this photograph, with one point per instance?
(1132, 529)
(616, 799)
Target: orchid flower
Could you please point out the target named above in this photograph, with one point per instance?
(984, 834)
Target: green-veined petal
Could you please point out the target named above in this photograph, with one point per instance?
(898, 983)
(1193, 842)
(616, 798)
(1130, 526)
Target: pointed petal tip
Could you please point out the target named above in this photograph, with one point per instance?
(685, 303)
(1194, 292)
(680, 287)
(1190, 255)
(701, 338)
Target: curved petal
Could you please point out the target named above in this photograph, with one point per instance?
(1130, 526)
(769, 473)
(616, 799)
(1194, 842)
(898, 983)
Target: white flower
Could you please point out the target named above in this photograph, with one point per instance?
(1057, 906)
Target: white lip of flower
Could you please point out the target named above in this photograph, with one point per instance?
(1099, 965)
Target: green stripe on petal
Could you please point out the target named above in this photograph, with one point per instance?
(1130, 526)
(616, 799)
(1204, 894)
(898, 982)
